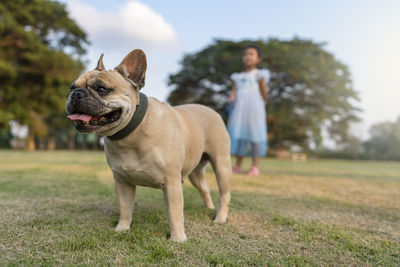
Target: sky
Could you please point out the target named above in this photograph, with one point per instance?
(364, 35)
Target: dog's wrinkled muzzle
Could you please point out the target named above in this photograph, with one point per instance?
(83, 102)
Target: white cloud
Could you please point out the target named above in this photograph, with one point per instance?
(133, 23)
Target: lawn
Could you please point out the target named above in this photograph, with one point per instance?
(60, 208)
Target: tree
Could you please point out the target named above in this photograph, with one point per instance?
(309, 90)
(40, 54)
(384, 141)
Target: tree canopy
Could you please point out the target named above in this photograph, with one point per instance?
(310, 90)
(40, 54)
(384, 141)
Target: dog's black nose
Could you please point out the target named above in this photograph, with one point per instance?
(78, 94)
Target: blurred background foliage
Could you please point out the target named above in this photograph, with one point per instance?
(40, 54)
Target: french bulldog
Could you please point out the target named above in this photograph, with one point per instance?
(150, 143)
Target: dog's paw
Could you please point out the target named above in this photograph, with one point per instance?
(122, 226)
(220, 220)
(178, 238)
(210, 206)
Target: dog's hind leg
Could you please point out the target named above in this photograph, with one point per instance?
(221, 163)
(198, 180)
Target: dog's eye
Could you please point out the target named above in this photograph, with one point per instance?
(103, 91)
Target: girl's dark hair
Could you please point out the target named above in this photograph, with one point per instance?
(256, 47)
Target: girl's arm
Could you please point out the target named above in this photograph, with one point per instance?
(233, 94)
(263, 89)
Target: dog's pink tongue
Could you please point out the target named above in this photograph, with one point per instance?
(80, 117)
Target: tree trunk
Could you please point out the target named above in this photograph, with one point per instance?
(31, 144)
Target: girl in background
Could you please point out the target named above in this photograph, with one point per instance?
(247, 125)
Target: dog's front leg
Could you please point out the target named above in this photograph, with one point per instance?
(126, 197)
(173, 196)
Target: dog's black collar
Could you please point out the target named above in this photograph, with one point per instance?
(135, 121)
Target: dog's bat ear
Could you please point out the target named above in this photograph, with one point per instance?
(134, 66)
(100, 65)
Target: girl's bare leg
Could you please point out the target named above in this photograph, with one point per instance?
(239, 160)
(255, 154)
(255, 162)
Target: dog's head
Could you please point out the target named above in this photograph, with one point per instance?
(103, 101)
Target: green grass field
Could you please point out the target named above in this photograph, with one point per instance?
(60, 208)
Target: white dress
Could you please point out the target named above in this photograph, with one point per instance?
(247, 123)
